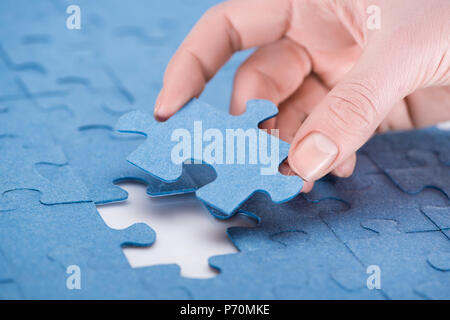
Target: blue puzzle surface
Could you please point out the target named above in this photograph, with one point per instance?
(31, 160)
(48, 239)
(62, 92)
(239, 176)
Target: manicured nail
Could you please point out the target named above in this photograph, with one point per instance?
(313, 155)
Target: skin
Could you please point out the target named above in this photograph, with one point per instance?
(329, 74)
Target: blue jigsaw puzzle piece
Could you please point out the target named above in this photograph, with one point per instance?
(241, 181)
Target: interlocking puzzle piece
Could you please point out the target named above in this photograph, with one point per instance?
(40, 242)
(389, 150)
(240, 181)
(310, 270)
(406, 261)
(432, 174)
(382, 202)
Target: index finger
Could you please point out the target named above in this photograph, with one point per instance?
(224, 29)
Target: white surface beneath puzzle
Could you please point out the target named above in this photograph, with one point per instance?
(186, 233)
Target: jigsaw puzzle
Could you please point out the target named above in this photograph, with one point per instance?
(237, 174)
(40, 242)
(61, 93)
(31, 160)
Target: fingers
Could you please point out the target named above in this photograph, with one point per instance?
(347, 117)
(429, 106)
(272, 72)
(228, 27)
(397, 119)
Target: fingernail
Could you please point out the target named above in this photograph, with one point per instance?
(313, 155)
(157, 104)
(155, 111)
(159, 114)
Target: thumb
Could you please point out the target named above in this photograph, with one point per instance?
(346, 118)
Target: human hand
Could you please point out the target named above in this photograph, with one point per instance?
(334, 80)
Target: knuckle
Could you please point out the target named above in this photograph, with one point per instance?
(220, 13)
(213, 12)
(354, 109)
(216, 12)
